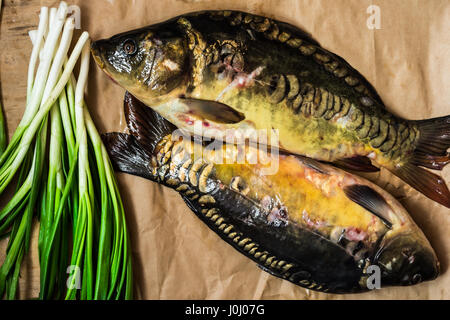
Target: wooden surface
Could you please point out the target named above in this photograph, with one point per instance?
(176, 256)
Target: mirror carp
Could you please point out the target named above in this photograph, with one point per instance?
(309, 223)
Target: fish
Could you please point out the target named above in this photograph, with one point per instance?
(311, 223)
(227, 74)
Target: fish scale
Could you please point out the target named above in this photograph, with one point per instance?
(310, 223)
(321, 57)
(233, 72)
(328, 105)
(194, 192)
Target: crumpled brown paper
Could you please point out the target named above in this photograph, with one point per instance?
(175, 255)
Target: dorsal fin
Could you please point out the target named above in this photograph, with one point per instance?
(127, 155)
(252, 20)
(231, 15)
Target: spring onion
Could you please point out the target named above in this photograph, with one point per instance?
(69, 184)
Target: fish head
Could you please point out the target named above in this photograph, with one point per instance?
(151, 62)
(406, 259)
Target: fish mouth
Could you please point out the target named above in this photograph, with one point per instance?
(95, 50)
(404, 260)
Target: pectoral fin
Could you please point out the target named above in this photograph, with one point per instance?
(214, 111)
(370, 200)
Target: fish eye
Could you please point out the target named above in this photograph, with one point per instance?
(129, 47)
(416, 278)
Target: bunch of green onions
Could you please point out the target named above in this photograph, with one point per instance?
(64, 179)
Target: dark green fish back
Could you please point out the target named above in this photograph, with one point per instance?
(313, 82)
(305, 77)
(286, 36)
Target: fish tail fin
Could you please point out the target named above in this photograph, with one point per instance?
(132, 153)
(434, 140)
(127, 155)
(430, 152)
(428, 183)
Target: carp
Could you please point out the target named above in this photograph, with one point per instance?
(310, 223)
(236, 72)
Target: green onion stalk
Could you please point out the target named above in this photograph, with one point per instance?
(30, 138)
(24, 200)
(69, 184)
(3, 134)
(56, 177)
